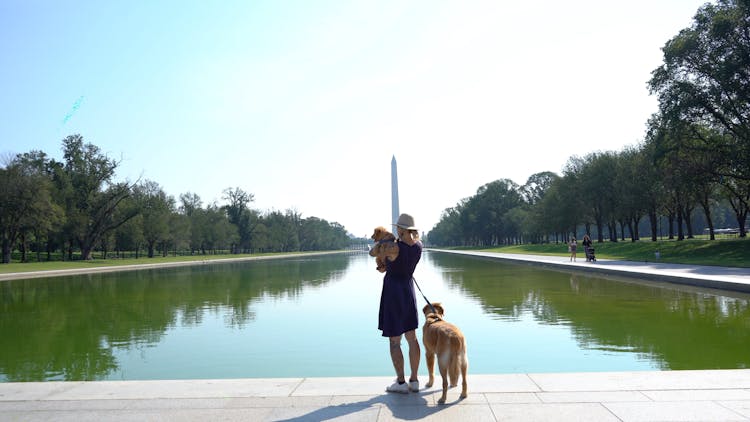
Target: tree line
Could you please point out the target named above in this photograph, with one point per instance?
(74, 207)
(694, 156)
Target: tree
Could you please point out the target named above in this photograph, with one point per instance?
(189, 203)
(218, 232)
(630, 186)
(590, 186)
(705, 83)
(516, 222)
(686, 172)
(738, 194)
(179, 234)
(241, 216)
(647, 162)
(238, 200)
(90, 194)
(191, 208)
(129, 236)
(568, 205)
(156, 208)
(537, 185)
(317, 234)
(533, 192)
(282, 231)
(448, 230)
(487, 211)
(26, 201)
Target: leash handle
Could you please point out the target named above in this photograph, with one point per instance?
(425, 297)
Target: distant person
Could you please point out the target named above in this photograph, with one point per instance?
(398, 304)
(572, 246)
(587, 246)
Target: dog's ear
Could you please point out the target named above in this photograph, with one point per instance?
(439, 308)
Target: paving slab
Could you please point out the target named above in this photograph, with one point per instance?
(338, 413)
(478, 413)
(503, 383)
(741, 407)
(592, 396)
(176, 415)
(558, 412)
(511, 398)
(177, 389)
(34, 390)
(381, 399)
(673, 411)
(643, 380)
(698, 395)
(342, 386)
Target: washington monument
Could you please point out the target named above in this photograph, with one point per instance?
(394, 191)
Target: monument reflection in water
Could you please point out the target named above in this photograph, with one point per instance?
(317, 316)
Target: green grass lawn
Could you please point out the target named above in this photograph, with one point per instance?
(724, 252)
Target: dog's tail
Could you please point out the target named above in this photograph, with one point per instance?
(459, 360)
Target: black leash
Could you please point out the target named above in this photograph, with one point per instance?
(425, 297)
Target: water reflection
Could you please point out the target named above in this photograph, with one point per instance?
(70, 328)
(674, 326)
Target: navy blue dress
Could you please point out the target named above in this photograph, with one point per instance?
(398, 303)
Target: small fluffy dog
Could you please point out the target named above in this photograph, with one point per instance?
(445, 340)
(385, 247)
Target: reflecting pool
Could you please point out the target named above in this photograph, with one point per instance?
(317, 316)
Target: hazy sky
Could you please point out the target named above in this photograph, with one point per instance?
(303, 103)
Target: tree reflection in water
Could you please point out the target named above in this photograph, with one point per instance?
(67, 328)
(680, 327)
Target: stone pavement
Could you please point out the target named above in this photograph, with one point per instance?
(715, 395)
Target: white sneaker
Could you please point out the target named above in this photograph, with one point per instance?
(414, 386)
(398, 388)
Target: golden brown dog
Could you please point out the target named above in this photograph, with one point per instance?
(385, 247)
(444, 340)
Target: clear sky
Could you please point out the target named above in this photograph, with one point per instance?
(303, 103)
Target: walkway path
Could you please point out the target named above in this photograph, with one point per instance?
(717, 395)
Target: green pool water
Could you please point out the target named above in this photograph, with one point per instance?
(317, 316)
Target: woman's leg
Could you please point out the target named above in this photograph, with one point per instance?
(414, 353)
(397, 357)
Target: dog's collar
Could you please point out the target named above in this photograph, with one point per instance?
(380, 242)
(432, 318)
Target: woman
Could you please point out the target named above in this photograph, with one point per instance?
(587, 247)
(398, 304)
(572, 246)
